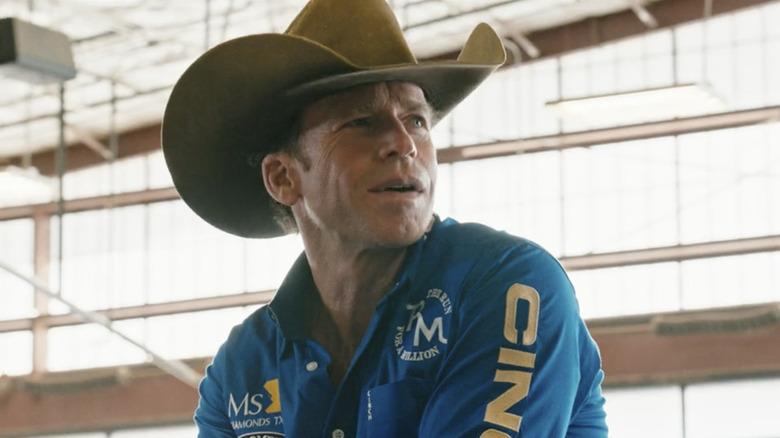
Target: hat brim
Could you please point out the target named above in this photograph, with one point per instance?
(230, 101)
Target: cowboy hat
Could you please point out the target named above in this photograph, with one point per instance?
(230, 102)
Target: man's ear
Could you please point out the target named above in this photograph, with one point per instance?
(280, 178)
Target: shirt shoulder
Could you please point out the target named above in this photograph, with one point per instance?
(485, 252)
(249, 344)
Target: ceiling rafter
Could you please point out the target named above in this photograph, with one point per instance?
(520, 41)
(144, 45)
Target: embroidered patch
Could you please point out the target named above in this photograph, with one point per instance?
(424, 334)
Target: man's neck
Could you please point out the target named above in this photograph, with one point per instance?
(350, 285)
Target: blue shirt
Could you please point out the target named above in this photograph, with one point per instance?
(480, 337)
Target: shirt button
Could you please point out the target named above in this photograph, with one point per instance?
(311, 366)
(337, 433)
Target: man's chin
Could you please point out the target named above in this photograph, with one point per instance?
(402, 236)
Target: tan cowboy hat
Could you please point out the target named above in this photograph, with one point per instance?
(229, 103)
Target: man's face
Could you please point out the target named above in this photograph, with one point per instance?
(367, 166)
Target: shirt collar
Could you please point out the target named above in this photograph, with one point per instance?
(289, 307)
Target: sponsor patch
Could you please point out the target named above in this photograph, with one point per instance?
(423, 336)
(251, 413)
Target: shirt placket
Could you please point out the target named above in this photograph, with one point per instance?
(346, 406)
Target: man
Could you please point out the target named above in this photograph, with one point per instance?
(392, 323)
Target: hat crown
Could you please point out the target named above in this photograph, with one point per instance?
(364, 32)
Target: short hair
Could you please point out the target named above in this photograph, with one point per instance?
(285, 140)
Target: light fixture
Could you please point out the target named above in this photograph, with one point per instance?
(641, 105)
(33, 53)
(36, 55)
(21, 186)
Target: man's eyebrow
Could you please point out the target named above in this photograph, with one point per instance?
(418, 106)
(409, 103)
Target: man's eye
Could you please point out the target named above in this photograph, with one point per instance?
(419, 122)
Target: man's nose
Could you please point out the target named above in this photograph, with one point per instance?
(399, 141)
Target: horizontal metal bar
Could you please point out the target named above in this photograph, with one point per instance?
(609, 135)
(144, 311)
(174, 367)
(92, 203)
(672, 253)
(654, 322)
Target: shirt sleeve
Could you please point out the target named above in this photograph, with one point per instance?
(211, 413)
(520, 361)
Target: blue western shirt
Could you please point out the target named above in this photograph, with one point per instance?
(480, 337)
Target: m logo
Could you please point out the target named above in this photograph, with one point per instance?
(420, 326)
(425, 331)
(253, 404)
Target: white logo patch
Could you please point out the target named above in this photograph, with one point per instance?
(423, 334)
